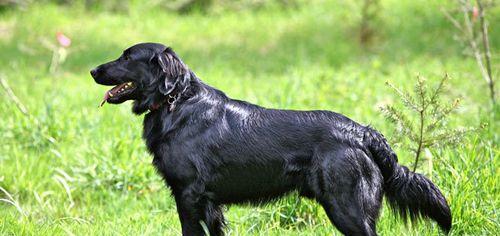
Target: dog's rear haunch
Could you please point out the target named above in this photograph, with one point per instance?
(213, 150)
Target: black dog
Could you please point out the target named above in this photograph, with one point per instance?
(212, 150)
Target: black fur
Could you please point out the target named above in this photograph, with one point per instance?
(213, 150)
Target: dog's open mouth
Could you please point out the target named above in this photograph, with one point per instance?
(117, 92)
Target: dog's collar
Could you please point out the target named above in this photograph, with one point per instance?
(173, 97)
(170, 100)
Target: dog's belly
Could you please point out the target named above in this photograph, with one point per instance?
(254, 183)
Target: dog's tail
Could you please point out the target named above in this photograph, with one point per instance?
(409, 193)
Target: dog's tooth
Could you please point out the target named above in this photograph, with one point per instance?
(110, 94)
(129, 83)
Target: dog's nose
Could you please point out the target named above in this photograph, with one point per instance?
(93, 72)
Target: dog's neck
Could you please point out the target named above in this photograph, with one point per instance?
(171, 100)
(168, 101)
(199, 100)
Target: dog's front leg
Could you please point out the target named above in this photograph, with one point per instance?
(190, 213)
(191, 209)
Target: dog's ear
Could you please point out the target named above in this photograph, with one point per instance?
(169, 51)
(173, 70)
(161, 60)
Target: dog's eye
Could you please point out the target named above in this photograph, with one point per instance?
(126, 57)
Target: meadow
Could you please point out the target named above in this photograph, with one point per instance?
(71, 168)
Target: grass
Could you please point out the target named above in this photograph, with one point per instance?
(71, 168)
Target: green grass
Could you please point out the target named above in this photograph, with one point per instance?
(72, 168)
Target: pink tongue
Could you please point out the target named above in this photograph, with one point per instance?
(106, 96)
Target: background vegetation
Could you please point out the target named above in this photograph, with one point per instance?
(67, 167)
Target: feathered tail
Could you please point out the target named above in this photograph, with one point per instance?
(411, 194)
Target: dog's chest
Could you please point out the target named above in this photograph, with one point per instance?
(167, 153)
(153, 131)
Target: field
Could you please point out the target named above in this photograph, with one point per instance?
(71, 168)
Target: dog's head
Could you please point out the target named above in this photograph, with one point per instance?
(146, 73)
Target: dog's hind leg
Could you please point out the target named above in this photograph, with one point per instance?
(348, 221)
(352, 191)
